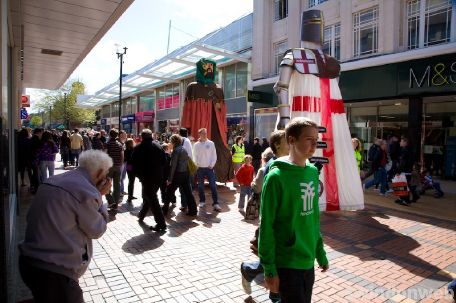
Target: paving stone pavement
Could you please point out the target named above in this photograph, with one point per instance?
(376, 255)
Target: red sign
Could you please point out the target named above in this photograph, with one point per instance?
(161, 103)
(147, 116)
(25, 101)
(168, 102)
(175, 101)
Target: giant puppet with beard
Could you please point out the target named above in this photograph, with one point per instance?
(308, 87)
(205, 107)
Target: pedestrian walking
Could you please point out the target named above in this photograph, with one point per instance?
(65, 148)
(245, 177)
(115, 150)
(178, 177)
(77, 145)
(205, 158)
(149, 161)
(290, 238)
(129, 147)
(46, 155)
(256, 154)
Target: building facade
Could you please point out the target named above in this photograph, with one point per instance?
(398, 61)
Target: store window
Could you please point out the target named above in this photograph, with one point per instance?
(279, 50)
(161, 98)
(429, 22)
(147, 102)
(106, 111)
(115, 109)
(315, 2)
(134, 107)
(127, 106)
(229, 82)
(280, 9)
(241, 79)
(331, 37)
(365, 30)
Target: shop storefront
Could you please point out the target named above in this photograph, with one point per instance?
(414, 99)
(238, 125)
(145, 120)
(128, 124)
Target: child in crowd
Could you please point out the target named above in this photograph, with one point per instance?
(244, 175)
(427, 182)
(163, 186)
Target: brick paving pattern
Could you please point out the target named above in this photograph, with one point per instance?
(376, 255)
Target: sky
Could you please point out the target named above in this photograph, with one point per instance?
(143, 29)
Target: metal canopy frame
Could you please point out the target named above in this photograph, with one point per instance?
(172, 68)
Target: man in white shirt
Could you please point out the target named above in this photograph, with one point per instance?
(205, 157)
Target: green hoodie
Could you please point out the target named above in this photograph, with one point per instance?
(290, 218)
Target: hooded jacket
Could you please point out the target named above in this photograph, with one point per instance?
(290, 218)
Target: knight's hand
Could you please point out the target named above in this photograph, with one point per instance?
(282, 123)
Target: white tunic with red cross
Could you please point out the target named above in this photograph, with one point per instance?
(320, 100)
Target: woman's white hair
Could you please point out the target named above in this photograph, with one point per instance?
(93, 160)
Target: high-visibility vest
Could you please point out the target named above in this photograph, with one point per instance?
(238, 156)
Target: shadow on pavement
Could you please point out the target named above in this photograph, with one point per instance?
(360, 234)
(142, 243)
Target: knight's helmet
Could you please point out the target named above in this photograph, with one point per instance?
(312, 26)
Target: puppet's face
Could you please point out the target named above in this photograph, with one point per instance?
(208, 70)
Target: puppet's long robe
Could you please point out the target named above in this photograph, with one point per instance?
(205, 107)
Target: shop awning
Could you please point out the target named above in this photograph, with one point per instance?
(170, 69)
(55, 36)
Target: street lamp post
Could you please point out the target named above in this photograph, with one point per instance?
(120, 56)
(50, 117)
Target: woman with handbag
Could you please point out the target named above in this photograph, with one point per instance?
(179, 176)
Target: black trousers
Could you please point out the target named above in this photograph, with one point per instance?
(181, 181)
(49, 287)
(150, 202)
(131, 183)
(296, 285)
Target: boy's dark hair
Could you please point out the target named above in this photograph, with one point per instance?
(295, 126)
(275, 138)
(113, 133)
(183, 132)
(256, 139)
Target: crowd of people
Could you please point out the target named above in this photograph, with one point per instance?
(394, 170)
(68, 212)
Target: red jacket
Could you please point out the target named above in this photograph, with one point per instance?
(245, 174)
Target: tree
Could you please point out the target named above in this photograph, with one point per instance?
(63, 109)
(35, 121)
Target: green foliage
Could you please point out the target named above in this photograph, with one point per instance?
(60, 106)
(35, 121)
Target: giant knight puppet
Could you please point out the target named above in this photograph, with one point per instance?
(308, 87)
(205, 107)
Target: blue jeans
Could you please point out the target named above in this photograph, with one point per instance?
(201, 173)
(379, 178)
(183, 196)
(44, 167)
(245, 191)
(123, 174)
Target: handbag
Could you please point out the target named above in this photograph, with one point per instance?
(191, 167)
(252, 211)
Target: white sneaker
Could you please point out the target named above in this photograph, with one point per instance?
(217, 207)
(389, 191)
(202, 204)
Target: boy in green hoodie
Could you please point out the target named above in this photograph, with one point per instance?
(290, 238)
